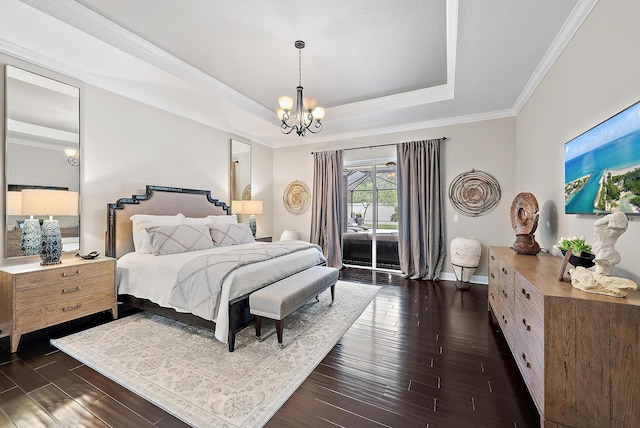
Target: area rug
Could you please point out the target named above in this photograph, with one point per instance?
(187, 372)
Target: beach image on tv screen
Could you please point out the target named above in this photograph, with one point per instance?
(602, 167)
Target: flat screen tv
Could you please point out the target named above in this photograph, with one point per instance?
(602, 167)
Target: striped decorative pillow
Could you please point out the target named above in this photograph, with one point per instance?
(179, 239)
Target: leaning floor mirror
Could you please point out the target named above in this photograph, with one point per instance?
(42, 159)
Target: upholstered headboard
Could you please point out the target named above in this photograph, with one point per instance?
(158, 200)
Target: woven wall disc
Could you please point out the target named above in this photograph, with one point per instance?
(474, 193)
(296, 197)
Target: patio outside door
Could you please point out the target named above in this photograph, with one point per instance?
(370, 236)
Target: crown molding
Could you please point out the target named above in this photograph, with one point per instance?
(86, 20)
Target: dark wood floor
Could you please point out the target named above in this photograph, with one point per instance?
(421, 355)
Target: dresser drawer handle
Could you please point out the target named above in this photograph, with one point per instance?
(493, 257)
(526, 294)
(504, 293)
(492, 275)
(71, 290)
(524, 321)
(66, 274)
(71, 308)
(524, 357)
(504, 319)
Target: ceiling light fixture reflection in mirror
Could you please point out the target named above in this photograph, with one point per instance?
(42, 151)
(240, 180)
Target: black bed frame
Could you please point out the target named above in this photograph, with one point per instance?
(239, 316)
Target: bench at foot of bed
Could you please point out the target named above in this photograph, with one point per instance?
(279, 299)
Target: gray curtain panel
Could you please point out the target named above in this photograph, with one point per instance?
(421, 245)
(327, 205)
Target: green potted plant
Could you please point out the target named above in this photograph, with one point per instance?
(580, 251)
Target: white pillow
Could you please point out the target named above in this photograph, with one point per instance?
(211, 219)
(140, 222)
(231, 234)
(180, 238)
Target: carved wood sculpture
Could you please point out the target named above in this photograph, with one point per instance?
(524, 220)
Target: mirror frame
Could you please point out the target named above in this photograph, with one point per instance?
(52, 137)
(240, 159)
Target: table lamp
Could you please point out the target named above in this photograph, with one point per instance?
(248, 207)
(49, 202)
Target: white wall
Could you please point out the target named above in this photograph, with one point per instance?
(488, 146)
(596, 76)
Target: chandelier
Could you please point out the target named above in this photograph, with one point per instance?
(307, 116)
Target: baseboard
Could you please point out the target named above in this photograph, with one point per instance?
(475, 279)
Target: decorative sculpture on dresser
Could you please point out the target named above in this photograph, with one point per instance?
(524, 220)
(606, 232)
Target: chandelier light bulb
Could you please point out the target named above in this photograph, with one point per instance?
(318, 113)
(285, 103)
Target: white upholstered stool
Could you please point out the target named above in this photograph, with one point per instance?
(279, 299)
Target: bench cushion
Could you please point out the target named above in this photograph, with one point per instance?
(279, 299)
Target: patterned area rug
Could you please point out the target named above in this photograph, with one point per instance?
(190, 374)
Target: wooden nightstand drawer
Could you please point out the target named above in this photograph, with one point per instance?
(64, 291)
(54, 313)
(62, 273)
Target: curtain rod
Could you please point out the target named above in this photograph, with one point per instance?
(379, 145)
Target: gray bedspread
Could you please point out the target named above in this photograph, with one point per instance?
(199, 284)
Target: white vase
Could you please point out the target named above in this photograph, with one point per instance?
(465, 257)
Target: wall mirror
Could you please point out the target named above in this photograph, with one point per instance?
(42, 151)
(240, 180)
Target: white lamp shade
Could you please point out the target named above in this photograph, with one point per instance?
(285, 103)
(309, 103)
(49, 202)
(14, 203)
(246, 207)
(318, 113)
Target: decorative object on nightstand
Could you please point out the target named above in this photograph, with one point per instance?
(465, 258)
(50, 202)
(296, 197)
(248, 207)
(524, 220)
(37, 296)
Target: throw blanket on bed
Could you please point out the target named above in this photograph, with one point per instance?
(199, 283)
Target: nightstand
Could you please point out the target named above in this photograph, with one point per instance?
(33, 297)
(265, 239)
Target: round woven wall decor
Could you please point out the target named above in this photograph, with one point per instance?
(474, 193)
(296, 197)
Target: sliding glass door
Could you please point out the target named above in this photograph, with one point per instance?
(371, 232)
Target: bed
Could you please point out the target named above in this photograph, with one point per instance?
(166, 282)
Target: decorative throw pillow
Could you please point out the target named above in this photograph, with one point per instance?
(212, 219)
(231, 234)
(140, 223)
(179, 239)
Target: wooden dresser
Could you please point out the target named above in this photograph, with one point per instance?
(34, 297)
(578, 352)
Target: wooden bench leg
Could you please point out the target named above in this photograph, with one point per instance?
(279, 331)
(333, 294)
(258, 322)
